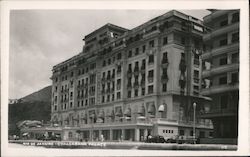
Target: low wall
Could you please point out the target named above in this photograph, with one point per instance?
(218, 141)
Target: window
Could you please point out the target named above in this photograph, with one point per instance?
(72, 74)
(104, 63)
(119, 56)
(55, 107)
(223, 42)
(182, 40)
(86, 102)
(223, 23)
(196, 74)
(151, 73)
(235, 77)
(113, 97)
(165, 58)
(223, 61)
(235, 37)
(78, 103)
(143, 48)
(65, 106)
(143, 91)
(150, 89)
(118, 95)
(164, 87)
(196, 87)
(152, 44)
(165, 40)
(150, 59)
(224, 101)
(191, 133)
(137, 51)
(182, 132)
(118, 87)
(130, 54)
(71, 104)
(129, 94)
(55, 99)
(235, 58)
(235, 17)
(136, 92)
(109, 61)
(143, 64)
(223, 80)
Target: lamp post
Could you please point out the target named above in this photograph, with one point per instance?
(194, 105)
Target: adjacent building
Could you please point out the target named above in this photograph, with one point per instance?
(128, 84)
(221, 71)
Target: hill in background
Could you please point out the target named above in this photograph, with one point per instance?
(35, 106)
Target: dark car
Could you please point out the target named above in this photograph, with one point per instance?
(155, 139)
(182, 139)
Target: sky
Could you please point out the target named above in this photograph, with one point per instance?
(40, 39)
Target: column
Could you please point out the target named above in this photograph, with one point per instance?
(137, 134)
(123, 135)
(145, 134)
(99, 134)
(111, 134)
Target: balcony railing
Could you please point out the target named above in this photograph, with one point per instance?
(220, 69)
(215, 89)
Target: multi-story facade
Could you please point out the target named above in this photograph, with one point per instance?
(127, 84)
(221, 71)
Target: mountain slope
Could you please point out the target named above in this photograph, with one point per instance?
(41, 95)
(35, 106)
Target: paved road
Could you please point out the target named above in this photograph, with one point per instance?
(117, 145)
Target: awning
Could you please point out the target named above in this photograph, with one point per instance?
(83, 116)
(92, 115)
(127, 112)
(151, 108)
(99, 120)
(111, 114)
(141, 110)
(118, 112)
(161, 108)
(25, 134)
(101, 114)
(141, 117)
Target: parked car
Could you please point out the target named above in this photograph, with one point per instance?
(182, 139)
(155, 139)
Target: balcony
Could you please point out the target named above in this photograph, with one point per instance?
(103, 79)
(143, 83)
(143, 69)
(136, 84)
(197, 124)
(220, 69)
(164, 78)
(129, 85)
(136, 70)
(221, 50)
(221, 31)
(150, 79)
(219, 113)
(215, 89)
(151, 34)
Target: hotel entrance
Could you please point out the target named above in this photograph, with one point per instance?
(129, 134)
(117, 134)
(106, 134)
